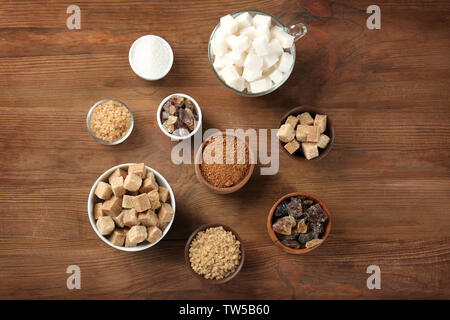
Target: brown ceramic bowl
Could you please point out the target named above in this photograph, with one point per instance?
(218, 190)
(274, 237)
(329, 132)
(188, 262)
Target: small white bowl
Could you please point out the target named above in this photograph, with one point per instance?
(197, 126)
(93, 200)
(130, 55)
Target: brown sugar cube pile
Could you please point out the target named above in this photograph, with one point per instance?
(304, 133)
(133, 208)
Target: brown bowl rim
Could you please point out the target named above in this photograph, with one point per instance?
(330, 130)
(274, 237)
(219, 190)
(188, 245)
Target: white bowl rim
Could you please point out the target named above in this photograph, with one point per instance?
(91, 208)
(199, 113)
(130, 60)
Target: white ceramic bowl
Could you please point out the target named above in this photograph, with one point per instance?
(197, 126)
(93, 200)
(130, 55)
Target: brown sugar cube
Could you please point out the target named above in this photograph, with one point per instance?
(165, 215)
(117, 173)
(138, 169)
(323, 141)
(103, 190)
(117, 186)
(112, 207)
(302, 133)
(132, 182)
(127, 202)
(119, 219)
(105, 225)
(163, 194)
(118, 237)
(135, 235)
(292, 121)
(321, 121)
(148, 218)
(153, 196)
(141, 203)
(313, 134)
(130, 218)
(305, 119)
(310, 150)
(292, 146)
(149, 184)
(154, 234)
(98, 210)
(286, 133)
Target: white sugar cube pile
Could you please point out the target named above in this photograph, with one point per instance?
(249, 53)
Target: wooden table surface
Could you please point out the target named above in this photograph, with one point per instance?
(386, 181)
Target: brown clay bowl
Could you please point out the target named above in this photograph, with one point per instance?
(274, 237)
(218, 190)
(188, 262)
(329, 132)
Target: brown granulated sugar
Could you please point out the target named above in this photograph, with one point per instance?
(110, 121)
(216, 169)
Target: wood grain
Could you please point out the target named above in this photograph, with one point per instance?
(386, 181)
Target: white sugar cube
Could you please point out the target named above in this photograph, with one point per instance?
(286, 62)
(250, 74)
(260, 85)
(274, 47)
(276, 76)
(286, 40)
(269, 61)
(244, 20)
(263, 31)
(262, 20)
(275, 29)
(252, 61)
(229, 24)
(239, 84)
(238, 43)
(260, 46)
(249, 32)
(228, 58)
(220, 33)
(219, 63)
(238, 58)
(230, 75)
(219, 46)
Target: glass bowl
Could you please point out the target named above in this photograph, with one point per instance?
(88, 121)
(297, 30)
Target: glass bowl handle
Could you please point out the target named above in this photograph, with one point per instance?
(298, 30)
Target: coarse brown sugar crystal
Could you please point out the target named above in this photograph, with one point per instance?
(215, 253)
(224, 166)
(110, 121)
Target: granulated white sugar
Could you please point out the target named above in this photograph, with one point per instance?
(151, 57)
